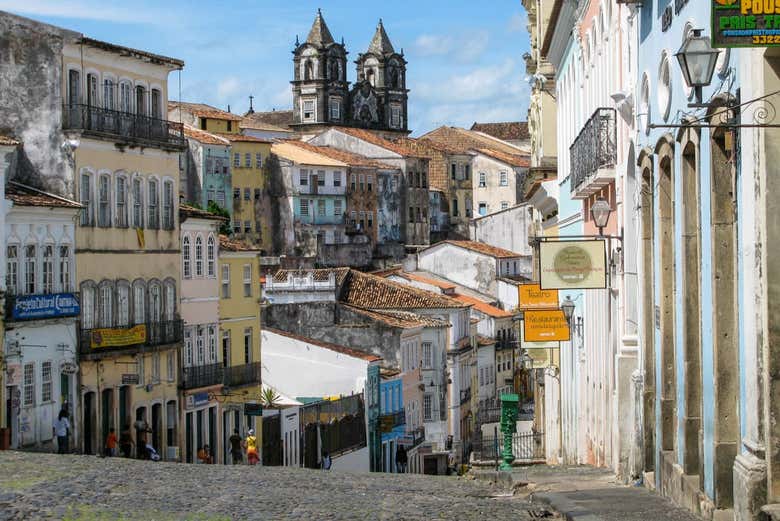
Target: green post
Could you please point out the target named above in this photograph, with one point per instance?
(509, 404)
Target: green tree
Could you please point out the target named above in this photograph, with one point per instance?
(216, 209)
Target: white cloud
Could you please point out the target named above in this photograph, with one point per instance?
(480, 83)
(228, 87)
(465, 48)
(81, 9)
(518, 22)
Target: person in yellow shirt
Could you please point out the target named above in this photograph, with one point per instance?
(252, 455)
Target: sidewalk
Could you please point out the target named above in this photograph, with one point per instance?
(589, 494)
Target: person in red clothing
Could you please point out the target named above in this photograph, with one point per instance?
(111, 443)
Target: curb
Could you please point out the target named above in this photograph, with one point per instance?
(567, 508)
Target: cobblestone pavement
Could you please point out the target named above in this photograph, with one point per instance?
(68, 487)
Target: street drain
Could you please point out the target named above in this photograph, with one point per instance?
(540, 514)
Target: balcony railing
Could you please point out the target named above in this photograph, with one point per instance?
(393, 419)
(201, 376)
(242, 374)
(594, 154)
(122, 126)
(97, 341)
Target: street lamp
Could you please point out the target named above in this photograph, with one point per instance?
(697, 60)
(568, 308)
(599, 212)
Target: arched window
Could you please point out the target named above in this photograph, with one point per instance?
(30, 262)
(198, 257)
(125, 96)
(370, 76)
(121, 202)
(155, 302)
(104, 201)
(185, 254)
(87, 305)
(167, 223)
(394, 83)
(139, 302)
(170, 300)
(140, 100)
(48, 269)
(106, 304)
(211, 254)
(138, 204)
(153, 202)
(85, 197)
(123, 304)
(334, 70)
(308, 70)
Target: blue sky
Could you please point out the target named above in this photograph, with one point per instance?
(465, 56)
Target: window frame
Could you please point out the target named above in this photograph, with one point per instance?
(153, 204)
(247, 280)
(199, 256)
(225, 281)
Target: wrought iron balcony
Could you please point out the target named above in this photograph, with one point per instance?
(394, 418)
(242, 375)
(594, 154)
(97, 341)
(122, 126)
(201, 376)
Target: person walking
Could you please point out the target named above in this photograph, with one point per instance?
(401, 459)
(235, 447)
(252, 455)
(126, 442)
(326, 461)
(62, 431)
(111, 442)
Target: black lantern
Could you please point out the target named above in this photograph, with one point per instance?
(599, 212)
(568, 308)
(697, 61)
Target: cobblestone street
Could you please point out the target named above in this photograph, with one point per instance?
(46, 486)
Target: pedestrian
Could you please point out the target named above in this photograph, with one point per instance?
(111, 441)
(326, 461)
(126, 442)
(235, 447)
(62, 431)
(400, 460)
(251, 448)
(142, 428)
(207, 455)
(201, 455)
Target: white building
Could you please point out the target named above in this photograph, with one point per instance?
(507, 229)
(298, 286)
(40, 328)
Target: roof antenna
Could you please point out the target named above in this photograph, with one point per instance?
(251, 108)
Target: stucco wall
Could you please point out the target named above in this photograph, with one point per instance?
(465, 267)
(493, 229)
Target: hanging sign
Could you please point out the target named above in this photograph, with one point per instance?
(69, 367)
(117, 337)
(745, 23)
(532, 296)
(526, 344)
(573, 265)
(545, 326)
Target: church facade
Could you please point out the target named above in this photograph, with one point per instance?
(322, 96)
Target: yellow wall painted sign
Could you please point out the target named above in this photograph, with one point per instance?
(573, 265)
(117, 337)
(532, 296)
(545, 326)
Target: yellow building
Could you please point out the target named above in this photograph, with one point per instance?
(127, 241)
(239, 323)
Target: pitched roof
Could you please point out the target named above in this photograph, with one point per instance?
(204, 137)
(419, 278)
(228, 244)
(509, 130)
(277, 118)
(465, 140)
(24, 195)
(354, 353)
(348, 158)
(380, 44)
(135, 53)
(258, 124)
(202, 110)
(371, 292)
(290, 150)
(400, 319)
(8, 141)
(517, 160)
(186, 212)
(319, 34)
(320, 275)
(241, 138)
(483, 307)
(374, 139)
(481, 247)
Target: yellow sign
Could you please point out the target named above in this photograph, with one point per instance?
(573, 265)
(525, 344)
(532, 296)
(117, 337)
(545, 326)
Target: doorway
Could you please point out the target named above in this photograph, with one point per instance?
(89, 418)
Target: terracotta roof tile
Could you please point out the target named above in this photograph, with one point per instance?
(202, 110)
(186, 211)
(341, 155)
(204, 137)
(374, 139)
(372, 292)
(8, 141)
(400, 319)
(483, 307)
(278, 118)
(508, 130)
(355, 353)
(483, 248)
(24, 195)
(228, 244)
(320, 275)
(241, 138)
(425, 280)
(517, 160)
(462, 139)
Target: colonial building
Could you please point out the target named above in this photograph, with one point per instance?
(7, 152)
(205, 171)
(321, 94)
(40, 354)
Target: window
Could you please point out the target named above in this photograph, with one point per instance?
(203, 123)
(170, 364)
(138, 204)
(248, 160)
(92, 90)
(139, 303)
(74, 87)
(87, 306)
(467, 171)
(483, 209)
(225, 281)
(104, 203)
(226, 348)
(362, 217)
(258, 160)
(503, 179)
(236, 226)
(247, 345)
(370, 216)
(168, 205)
(353, 216)
(229, 126)
(156, 104)
(236, 193)
(211, 255)
(504, 205)
(321, 207)
(48, 269)
(185, 255)
(106, 305)
(352, 179)
(154, 214)
(427, 407)
(304, 207)
(121, 202)
(221, 198)
(236, 160)
(419, 215)
(418, 179)
(336, 178)
(468, 207)
(212, 345)
(411, 214)
(209, 196)
(156, 367)
(454, 207)
(247, 226)
(187, 346)
(370, 183)
(361, 180)
(247, 194)
(257, 194)
(453, 171)
(123, 304)
(109, 94)
(198, 257)
(141, 371)
(125, 97)
(308, 110)
(395, 117)
(424, 180)
(427, 355)
(303, 177)
(200, 346)
(46, 382)
(247, 280)
(425, 214)
(482, 179)
(337, 210)
(12, 269)
(335, 109)
(29, 269)
(29, 384)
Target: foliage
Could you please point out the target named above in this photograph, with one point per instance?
(270, 398)
(216, 209)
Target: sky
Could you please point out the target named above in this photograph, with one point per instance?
(465, 56)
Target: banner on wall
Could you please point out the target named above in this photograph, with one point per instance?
(745, 23)
(117, 337)
(573, 264)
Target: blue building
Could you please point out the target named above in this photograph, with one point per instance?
(392, 421)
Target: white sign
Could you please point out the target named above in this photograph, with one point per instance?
(69, 367)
